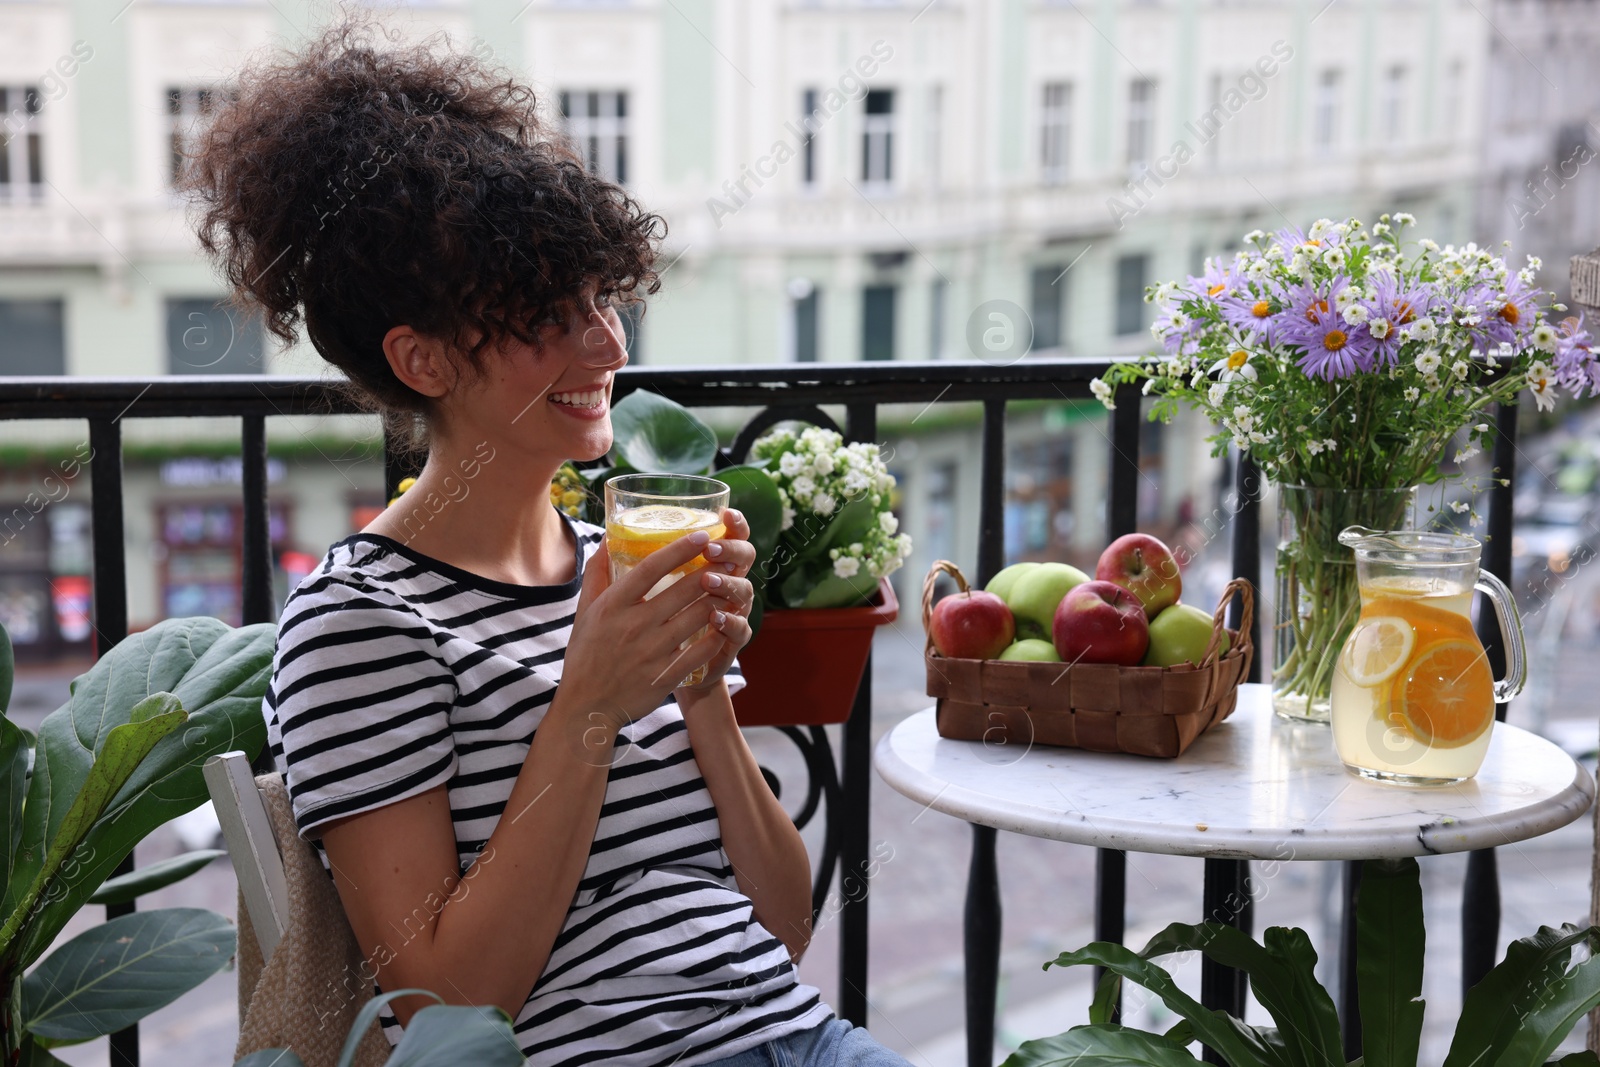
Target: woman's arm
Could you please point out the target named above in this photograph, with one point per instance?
(769, 859)
(485, 938)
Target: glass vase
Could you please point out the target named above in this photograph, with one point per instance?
(1318, 599)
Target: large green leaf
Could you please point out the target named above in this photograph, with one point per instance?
(35, 1055)
(1236, 1042)
(1494, 1008)
(659, 436)
(832, 591)
(752, 491)
(155, 876)
(112, 975)
(1562, 1003)
(8, 670)
(369, 1012)
(13, 789)
(120, 753)
(1389, 953)
(1282, 973)
(450, 1035)
(1092, 1046)
(217, 672)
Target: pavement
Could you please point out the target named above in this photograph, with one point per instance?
(916, 898)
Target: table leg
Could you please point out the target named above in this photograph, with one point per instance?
(1480, 918)
(1349, 1003)
(1227, 900)
(982, 928)
(1110, 908)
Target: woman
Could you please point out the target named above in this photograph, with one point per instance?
(478, 730)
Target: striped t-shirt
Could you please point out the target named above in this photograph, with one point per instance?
(396, 673)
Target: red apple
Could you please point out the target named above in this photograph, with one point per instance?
(1145, 567)
(1101, 622)
(971, 625)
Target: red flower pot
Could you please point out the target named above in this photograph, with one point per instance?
(805, 665)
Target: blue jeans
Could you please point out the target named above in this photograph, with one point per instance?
(833, 1044)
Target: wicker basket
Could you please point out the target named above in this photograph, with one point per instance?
(1145, 711)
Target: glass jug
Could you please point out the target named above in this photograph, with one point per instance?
(1413, 697)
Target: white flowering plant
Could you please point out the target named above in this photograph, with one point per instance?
(838, 535)
(1344, 360)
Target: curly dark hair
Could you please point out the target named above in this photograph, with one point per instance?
(362, 187)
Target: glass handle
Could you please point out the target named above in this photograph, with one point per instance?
(1505, 610)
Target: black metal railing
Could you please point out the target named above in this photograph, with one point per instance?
(779, 391)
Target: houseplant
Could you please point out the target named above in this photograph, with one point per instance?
(120, 758)
(825, 543)
(1515, 1017)
(1345, 361)
(439, 1035)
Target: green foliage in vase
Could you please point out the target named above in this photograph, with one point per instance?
(1516, 1017)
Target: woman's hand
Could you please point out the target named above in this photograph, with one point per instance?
(624, 655)
(731, 560)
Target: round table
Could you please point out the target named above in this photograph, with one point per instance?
(1252, 787)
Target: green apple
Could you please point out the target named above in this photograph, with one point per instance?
(1035, 595)
(1179, 634)
(1033, 650)
(1000, 585)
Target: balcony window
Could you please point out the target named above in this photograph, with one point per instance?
(1325, 121)
(877, 139)
(205, 336)
(877, 322)
(1055, 132)
(597, 122)
(933, 136)
(1141, 122)
(1047, 300)
(1394, 105)
(189, 112)
(32, 337)
(1132, 277)
(22, 150)
(805, 310)
(808, 147)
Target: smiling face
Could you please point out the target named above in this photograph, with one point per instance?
(546, 402)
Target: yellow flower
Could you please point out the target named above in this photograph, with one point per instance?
(405, 483)
(572, 498)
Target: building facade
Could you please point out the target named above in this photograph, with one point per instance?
(951, 179)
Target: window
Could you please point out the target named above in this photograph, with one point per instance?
(32, 337)
(1325, 122)
(1450, 120)
(1393, 121)
(21, 153)
(938, 296)
(1131, 273)
(805, 304)
(1055, 132)
(808, 147)
(1141, 121)
(206, 336)
(597, 122)
(1047, 299)
(877, 139)
(189, 111)
(877, 322)
(933, 136)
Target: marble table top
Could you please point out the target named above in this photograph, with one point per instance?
(1252, 786)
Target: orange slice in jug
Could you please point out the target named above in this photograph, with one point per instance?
(1445, 696)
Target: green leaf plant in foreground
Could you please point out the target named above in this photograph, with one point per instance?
(121, 757)
(1515, 1017)
(440, 1035)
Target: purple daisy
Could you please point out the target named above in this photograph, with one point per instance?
(1393, 308)
(1333, 348)
(1517, 309)
(1576, 367)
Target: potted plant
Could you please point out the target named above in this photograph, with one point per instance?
(440, 1035)
(1515, 1017)
(825, 541)
(120, 758)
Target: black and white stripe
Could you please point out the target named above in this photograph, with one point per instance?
(396, 673)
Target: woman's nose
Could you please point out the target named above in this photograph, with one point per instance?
(605, 345)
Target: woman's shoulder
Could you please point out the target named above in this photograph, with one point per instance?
(363, 572)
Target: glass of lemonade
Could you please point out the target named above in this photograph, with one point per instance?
(1413, 697)
(646, 512)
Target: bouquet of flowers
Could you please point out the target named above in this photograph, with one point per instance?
(1345, 360)
(838, 536)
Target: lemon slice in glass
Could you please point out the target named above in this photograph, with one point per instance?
(1378, 647)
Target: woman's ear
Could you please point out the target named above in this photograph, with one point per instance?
(419, 361)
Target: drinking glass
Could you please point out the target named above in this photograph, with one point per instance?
(647, 512)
